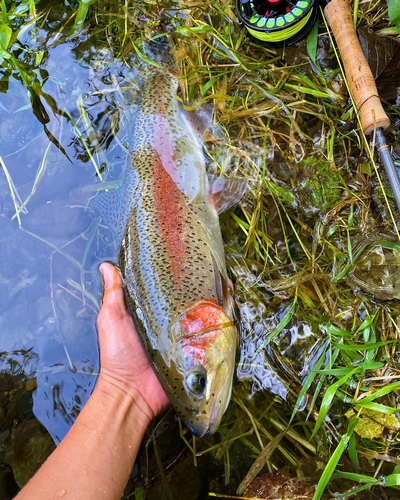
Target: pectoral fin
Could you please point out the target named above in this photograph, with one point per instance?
(221, 289)
(226, 192)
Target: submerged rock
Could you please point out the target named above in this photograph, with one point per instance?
(30, 445)
(8, 486)
(280, 485)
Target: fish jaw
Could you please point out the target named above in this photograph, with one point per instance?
(205, 341)
(218, 402)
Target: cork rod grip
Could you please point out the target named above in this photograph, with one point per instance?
(358, 73)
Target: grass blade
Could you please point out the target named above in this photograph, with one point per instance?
(333, 461)
(281, 325)
(328, 397)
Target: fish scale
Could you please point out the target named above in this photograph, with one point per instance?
(171, 256)
(159, 289)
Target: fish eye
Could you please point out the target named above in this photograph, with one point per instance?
(196, 382)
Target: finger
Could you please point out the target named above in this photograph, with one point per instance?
(113, 306)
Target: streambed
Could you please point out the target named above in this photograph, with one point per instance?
(301, 246)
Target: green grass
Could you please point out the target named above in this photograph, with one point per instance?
(291, 248)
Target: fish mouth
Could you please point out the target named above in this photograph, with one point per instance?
(220, 400)
(217, 402)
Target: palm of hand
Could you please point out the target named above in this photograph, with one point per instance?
(123, 358)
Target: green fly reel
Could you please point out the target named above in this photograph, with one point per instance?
(277, 21)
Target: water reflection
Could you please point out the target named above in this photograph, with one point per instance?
(24, 442)
(48, 277)
(49, 284)
(288, 356)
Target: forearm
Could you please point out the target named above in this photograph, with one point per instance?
(96, 457)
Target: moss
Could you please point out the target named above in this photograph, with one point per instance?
(322, 187)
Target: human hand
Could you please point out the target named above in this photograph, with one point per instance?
(123, 360)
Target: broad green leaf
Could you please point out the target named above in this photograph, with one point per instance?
(312, 41)
(379, 393)
(328, 397)
(306, 90)
(352, 491)
(4, 11)
(367, 322)
(211, 82)
(307, 299)
(336, 372)
(146, 59)
(5, 36)
(394, 13)
(280, 191)
(334, 330)
(392, 480)
(308, 81)
(81, 14)
(352, 451)
(331, 362)
(349, 264)
(371, 365)
(333, 461)
(5, 54)
(183, 30)
(363, 347)
(389, 245)
(360, 478)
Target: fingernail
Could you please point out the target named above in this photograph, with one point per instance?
(111, 283)
(101, 276)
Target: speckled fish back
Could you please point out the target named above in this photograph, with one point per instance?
(172, 237)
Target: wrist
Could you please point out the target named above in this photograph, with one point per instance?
(117, 393)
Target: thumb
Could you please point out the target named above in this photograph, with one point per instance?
(113, 308)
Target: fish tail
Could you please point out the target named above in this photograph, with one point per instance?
(160, 52)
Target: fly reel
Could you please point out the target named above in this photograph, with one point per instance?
(277, 21)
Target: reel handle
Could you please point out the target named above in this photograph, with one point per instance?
(358, 73)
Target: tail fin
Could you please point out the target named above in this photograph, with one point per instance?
(159, 51)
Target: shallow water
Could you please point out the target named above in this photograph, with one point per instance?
(54, 154)
(50, 288)
(45, 264)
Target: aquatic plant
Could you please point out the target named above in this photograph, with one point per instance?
(312, 249)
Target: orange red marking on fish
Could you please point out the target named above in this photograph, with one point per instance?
(168, 206)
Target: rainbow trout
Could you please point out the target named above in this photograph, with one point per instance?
(171, 256)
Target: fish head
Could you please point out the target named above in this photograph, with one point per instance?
(204, 342)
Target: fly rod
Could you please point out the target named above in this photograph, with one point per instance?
(362, 85)
(275, 22)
